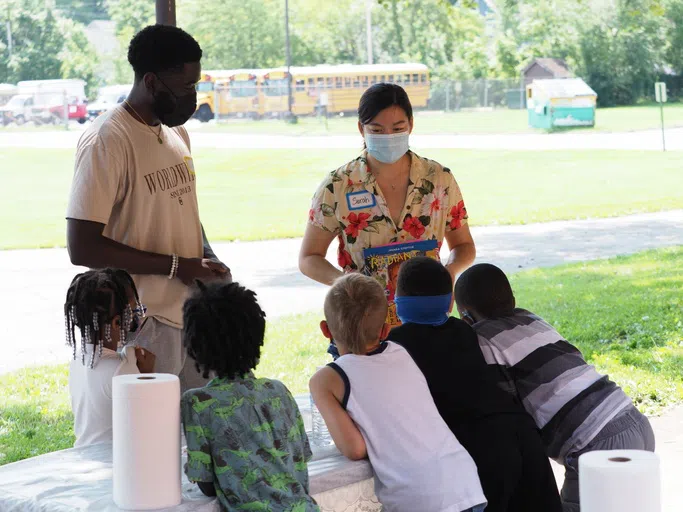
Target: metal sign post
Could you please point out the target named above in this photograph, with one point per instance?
(65, 112)
(660, 97)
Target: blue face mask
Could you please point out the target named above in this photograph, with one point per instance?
(387, 148)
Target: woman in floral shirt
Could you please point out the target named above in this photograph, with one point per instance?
(387, 195)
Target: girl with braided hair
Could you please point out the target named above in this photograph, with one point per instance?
(104, 306)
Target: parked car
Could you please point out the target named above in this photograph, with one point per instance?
(17, 109)
(108, 98)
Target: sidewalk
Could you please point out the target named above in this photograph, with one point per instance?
(38, 279)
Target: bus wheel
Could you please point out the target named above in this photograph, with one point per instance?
(204, 113)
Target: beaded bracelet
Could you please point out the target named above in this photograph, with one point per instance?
(174, 267)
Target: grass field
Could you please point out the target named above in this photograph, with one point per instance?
(251, 194)
(625, 314)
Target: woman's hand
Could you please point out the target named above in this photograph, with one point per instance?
(313, 253)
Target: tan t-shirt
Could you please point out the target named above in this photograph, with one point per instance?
(145, 194)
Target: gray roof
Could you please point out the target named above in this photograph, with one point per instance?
(557, 67)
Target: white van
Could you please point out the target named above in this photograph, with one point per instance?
(49, 97)
(108, 98)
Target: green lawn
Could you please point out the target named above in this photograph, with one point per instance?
(251, 194)
(625, 314)
(617, 119)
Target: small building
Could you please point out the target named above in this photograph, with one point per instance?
(545, 68)
(559, 103)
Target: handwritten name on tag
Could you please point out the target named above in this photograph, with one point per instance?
(360, 200)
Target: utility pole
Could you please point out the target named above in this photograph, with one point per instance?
(165, 10)
(288, 57)
(9, 32)
(368, 28)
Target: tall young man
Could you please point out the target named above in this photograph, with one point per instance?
(133, 202)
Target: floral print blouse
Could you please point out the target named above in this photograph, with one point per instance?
(350, 204)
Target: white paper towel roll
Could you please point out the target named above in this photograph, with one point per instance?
(146, 444)
(619, 481)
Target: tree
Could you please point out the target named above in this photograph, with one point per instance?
(82, 11)
(450, 39)
(236, 33)
(79, 58)
(36, 42)
(131, 15)
(674, 35)
(622, 50)
(539, 28)
(313, 42)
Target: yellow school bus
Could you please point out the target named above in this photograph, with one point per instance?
(243, 96)
(273, 92)
(206, 93)
(338, 88)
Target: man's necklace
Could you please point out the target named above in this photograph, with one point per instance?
(157, 135)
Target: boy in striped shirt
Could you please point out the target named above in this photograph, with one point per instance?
(577, 409)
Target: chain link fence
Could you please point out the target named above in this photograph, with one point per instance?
(454, 95)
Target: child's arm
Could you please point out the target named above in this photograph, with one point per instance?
(327, 390)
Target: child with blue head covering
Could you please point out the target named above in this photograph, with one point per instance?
(490, 423)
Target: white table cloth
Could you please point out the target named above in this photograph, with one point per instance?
(80, 479)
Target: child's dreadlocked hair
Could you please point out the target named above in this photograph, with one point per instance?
(223, 329)
(92, 301)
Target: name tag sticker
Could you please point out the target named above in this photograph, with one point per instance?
(190, 165)
(360, 200)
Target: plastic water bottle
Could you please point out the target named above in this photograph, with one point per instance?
(320, 436)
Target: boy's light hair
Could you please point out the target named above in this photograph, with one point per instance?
(356, 310)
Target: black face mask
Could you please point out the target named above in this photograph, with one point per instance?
(173, 110)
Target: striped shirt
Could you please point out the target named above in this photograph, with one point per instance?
(569, 400)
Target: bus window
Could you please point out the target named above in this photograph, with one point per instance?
(311, 83)
(338, 82)
(373, 80)
(365, 81)
(406, 79)
(243, 88)
(391, 79)
(300, 85)
(424, 78)
(416, 78)
(276, 87)
(205, 87)
(321, 83)
(356, 82)
(347, 82)
(330, 82)
(383, 78)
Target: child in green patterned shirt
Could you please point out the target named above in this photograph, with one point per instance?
(246, 442)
